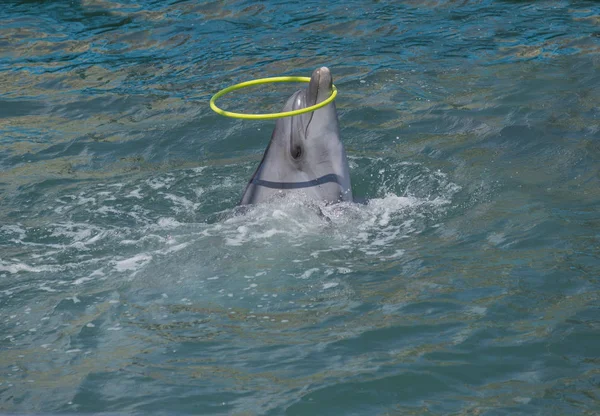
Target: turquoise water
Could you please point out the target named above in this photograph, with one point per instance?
(467, 285)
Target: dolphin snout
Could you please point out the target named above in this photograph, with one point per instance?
(319, 88)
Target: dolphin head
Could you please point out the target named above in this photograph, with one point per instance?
(305, 153)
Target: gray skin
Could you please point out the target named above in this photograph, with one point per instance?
(305, 154)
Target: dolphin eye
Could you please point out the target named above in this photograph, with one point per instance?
(296, 152)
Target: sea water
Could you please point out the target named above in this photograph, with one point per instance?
(467, 283)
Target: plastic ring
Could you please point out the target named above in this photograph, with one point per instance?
(268, 116)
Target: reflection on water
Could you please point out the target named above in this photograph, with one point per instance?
(467, 283)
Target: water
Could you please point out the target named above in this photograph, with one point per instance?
(468, 284)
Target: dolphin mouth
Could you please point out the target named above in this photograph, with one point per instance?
(319, 89)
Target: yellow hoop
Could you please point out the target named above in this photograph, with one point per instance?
(268, 115)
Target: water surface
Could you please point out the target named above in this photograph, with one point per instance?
(468, 284)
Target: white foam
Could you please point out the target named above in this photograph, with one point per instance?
(174, 248)
(134, 263)
(269, 233)
(14, 229)
(74, 298)
(522, 400)
(82, 200)
(308, 273)
(22, 267)
(136, 193)
(105, 209)
(168, 223)
(158, 183)
(395, 255)
(478, 310)
(496, 238)
(240, 238)
(182, 203)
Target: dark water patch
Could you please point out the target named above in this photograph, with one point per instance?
(15, 108)
(349, 397)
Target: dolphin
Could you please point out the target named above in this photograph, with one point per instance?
(305, 154)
